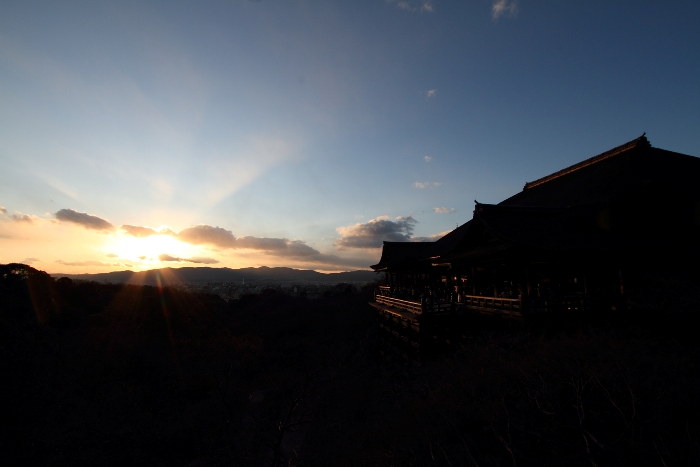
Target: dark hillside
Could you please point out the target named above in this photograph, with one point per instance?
(96, 374)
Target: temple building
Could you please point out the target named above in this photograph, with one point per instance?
(578, 239)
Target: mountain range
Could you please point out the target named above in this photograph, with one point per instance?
(262, 274)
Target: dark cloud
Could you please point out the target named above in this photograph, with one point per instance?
(222, 238)
(206, 234)
(81, 218)
(165, 257)
(374, 232)
(197, 260)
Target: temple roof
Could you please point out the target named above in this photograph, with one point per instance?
(400, 253)
(558, 212)
(612, 175)
(395, 254)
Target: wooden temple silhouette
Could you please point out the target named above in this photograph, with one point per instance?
(575, 240)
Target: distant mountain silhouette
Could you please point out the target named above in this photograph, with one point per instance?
(262, 274)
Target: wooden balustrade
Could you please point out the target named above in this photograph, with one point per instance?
(492, 304)
(413, 307)
(508, 306)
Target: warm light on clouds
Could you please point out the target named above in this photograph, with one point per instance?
(197, 260)
(24, 218)
(91, 237)
(134, 248)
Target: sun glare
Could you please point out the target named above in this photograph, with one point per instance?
(147, 250)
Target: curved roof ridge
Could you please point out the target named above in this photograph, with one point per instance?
(641, 142)
(498, 207)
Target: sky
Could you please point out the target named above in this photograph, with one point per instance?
(138, 135)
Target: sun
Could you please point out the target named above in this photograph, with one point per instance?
(146, 250)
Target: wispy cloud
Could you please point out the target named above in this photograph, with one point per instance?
(427, 158)
(374, 232)
(26, 218)
(85, 263)
(421, 6)
(196, 260)
(31, 260)
(423, 185)
(3, 210)
(86, 220)
(504, 7)
(431, 238)
(431, 93)
(444, 210)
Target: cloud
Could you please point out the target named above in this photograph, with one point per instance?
(81, 218)
(374, 232)
(31, 260)
(425, 5)
(222, 238)
(444, 210)
(138, 231)
(142, 232)
(431, 238)
(165, 257)
(84, 263)
(200, 260)
(504, 7)
(23, 218)
(423, 185)
(111, 255)
(431, 93)
(206, 234)
(3, 210)
(427, 158)
(197, 260)
(142, 258)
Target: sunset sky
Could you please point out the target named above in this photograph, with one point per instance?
(136, 135)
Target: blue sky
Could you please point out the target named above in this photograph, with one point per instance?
(307, 132)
